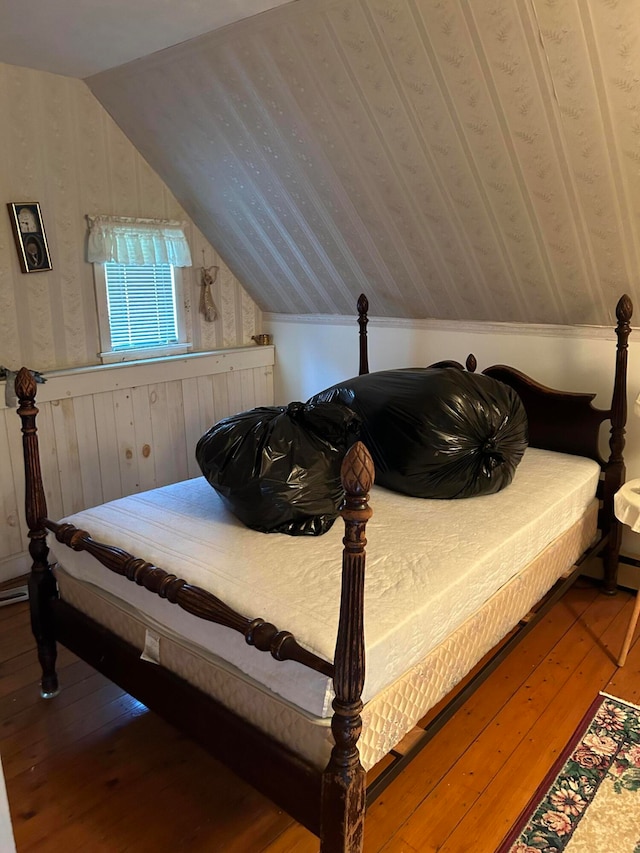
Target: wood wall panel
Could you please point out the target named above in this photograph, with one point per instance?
(88, 450)
(15, 488)
(49, 461)
(11, 539)
(101, 446)
(105, 426)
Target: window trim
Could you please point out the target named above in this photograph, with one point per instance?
(110, 356)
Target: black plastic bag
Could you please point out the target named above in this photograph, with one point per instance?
(437, 432)
(278, 468)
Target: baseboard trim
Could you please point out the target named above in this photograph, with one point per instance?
(13, 595)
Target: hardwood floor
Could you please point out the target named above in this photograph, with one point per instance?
(93, 770)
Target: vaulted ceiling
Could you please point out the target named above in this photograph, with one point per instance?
(460, 159)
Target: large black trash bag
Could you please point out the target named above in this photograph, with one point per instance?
(278, 468)
(437, 432)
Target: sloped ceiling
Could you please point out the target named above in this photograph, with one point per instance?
(456, 159)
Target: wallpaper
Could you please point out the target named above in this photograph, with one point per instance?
(455, 159)
(60, 148)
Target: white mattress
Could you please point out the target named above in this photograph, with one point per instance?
(430, 565)
(390, 714)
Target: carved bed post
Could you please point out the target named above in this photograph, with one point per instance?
(615, 471)
(363, 307)
(344, 779)
(42, 585)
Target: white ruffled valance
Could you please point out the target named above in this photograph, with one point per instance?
(137, 242)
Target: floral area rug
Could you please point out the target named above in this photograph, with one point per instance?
(590, 800)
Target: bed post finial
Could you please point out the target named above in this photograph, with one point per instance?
(624, 311)
(363, 319)
(615, 471)
(344, 780)
(42, 586)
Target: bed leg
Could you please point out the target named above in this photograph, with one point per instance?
(344, 791)
(42, 585)
(611, 558)
(344, 780)
(42, 592)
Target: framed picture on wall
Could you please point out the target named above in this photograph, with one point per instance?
(31, 241)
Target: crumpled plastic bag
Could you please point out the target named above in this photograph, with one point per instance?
(277, 468)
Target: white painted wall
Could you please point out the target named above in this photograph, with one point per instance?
(313, 353)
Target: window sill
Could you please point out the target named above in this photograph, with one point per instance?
(119, 356)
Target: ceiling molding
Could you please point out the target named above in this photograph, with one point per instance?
(456, 326)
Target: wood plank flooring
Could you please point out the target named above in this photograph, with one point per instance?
(93, 770)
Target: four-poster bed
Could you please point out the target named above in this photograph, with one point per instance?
(267, 716)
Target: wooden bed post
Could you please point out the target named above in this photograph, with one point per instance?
(363, 319)
(42, 585)
(615, 471)
(344, 779)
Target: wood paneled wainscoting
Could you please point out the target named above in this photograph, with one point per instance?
(113, 430)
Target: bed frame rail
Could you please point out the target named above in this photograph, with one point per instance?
(263, 635)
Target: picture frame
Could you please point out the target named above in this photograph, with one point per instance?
(31, 240)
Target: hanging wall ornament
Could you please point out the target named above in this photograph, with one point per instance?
(207, 305)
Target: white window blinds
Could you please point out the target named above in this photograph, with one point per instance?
(142, 306)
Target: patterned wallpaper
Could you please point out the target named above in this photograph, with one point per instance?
(455, 159)
(59, 147)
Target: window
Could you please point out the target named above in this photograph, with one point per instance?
(137, 269)
(140, 310)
